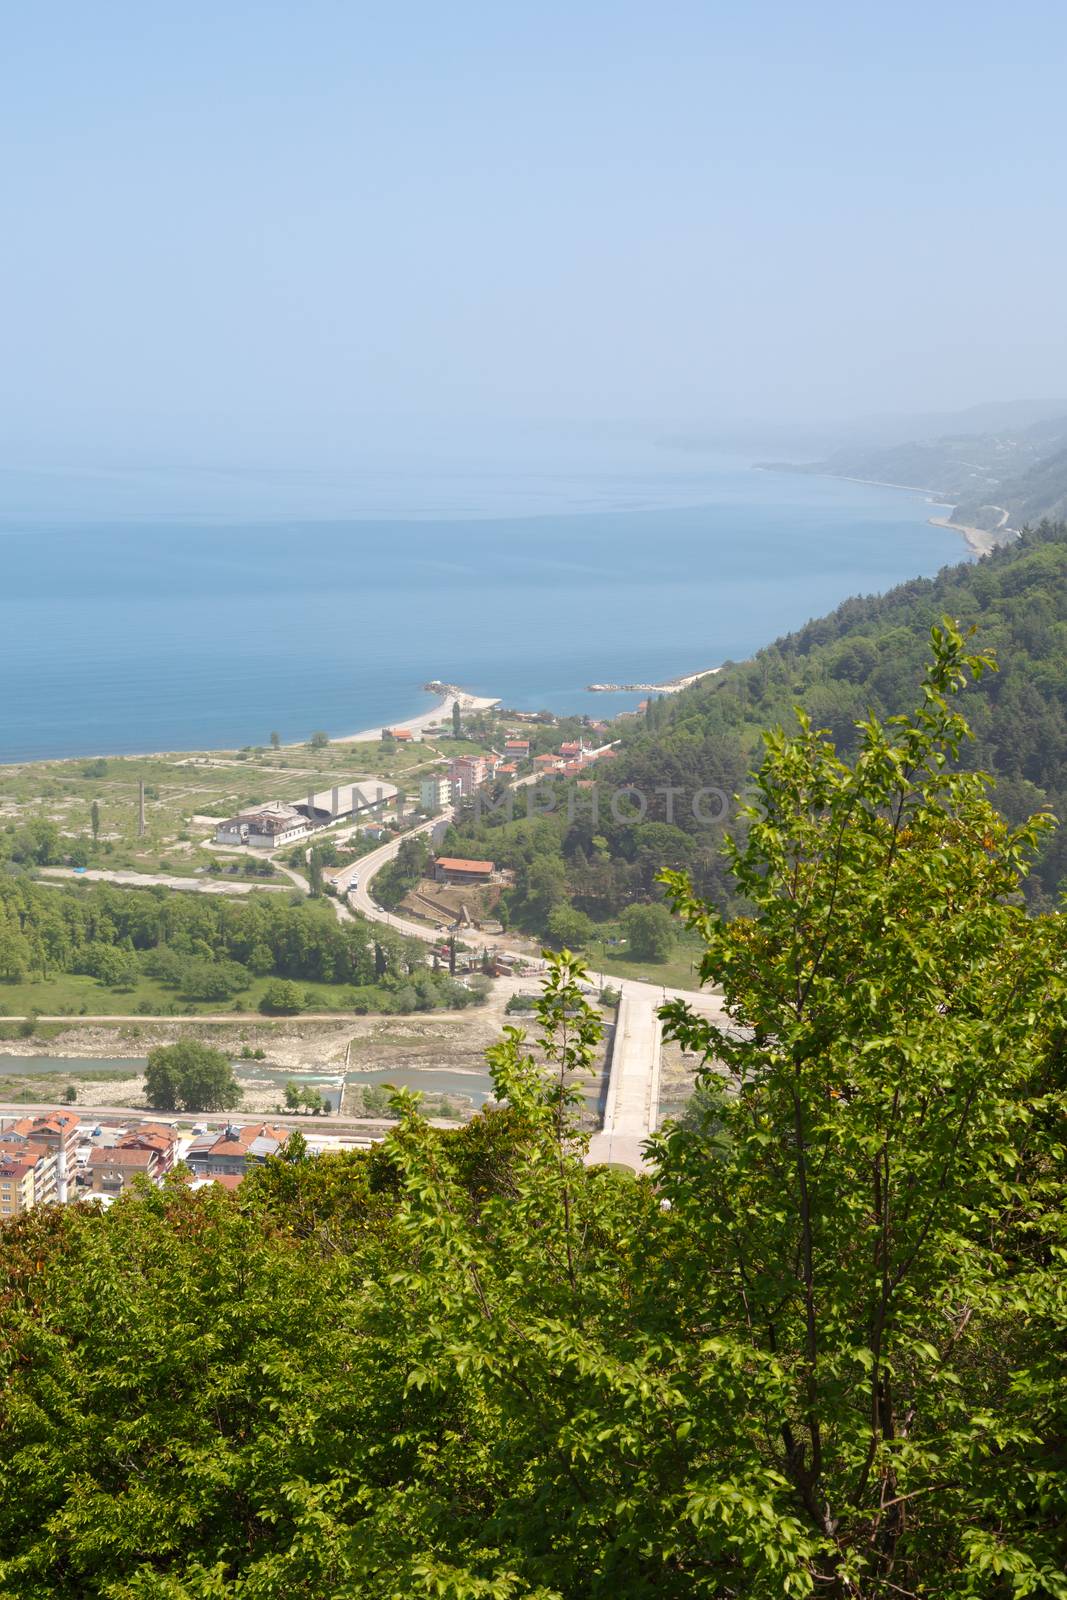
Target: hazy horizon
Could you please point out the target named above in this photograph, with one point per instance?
(257, 236)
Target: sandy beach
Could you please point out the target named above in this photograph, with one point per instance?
(440, 711)
(980, 541)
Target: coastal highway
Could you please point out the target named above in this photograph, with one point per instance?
(632, 1105)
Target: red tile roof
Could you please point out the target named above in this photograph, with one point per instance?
(11, 1167)
(246, 1135)
(146, 1139)
(55, 1122)
(457, 864)
(121, 1156)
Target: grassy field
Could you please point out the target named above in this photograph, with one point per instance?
(184, 791)
(72, 995)
(677, 972)
(180, 789)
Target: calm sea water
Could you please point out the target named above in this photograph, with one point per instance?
(158, 618)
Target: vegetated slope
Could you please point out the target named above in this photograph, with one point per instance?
(1021, 471)
(1039, 491)
(864, 656)
(468, 1365)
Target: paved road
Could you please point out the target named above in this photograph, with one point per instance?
(633, 1093)
(632, 1105)
(328, 1127)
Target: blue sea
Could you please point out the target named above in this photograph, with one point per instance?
(171, 610)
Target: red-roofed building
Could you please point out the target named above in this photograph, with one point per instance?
(468, 773)
(27, 1177)
(517, 749)
(454, 869)
(152, 1136)
(112, 1171)
(56, 1132)
(225, 1180)
(237, 1148)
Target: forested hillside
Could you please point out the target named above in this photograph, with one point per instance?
(1020, 471)
(210, 950)
(865, 656)
(817, 1351)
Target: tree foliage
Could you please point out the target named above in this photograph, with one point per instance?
(816, 1350)
(190, 1076)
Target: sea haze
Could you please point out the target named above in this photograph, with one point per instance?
(194, 627)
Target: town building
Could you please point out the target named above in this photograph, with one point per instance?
(221, 1180)
(235, 1150)
(517, 749)
(275, 824)
(435, 793)
(17, 1187)
(345, 800)
(27, 1176)
(468, 773)
(454, 869)
(155, 1137)
(111, 1171)
(268, 827)
(55, 1132)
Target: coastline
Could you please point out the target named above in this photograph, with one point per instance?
(672, 686)
(424, 719)
(980, 541)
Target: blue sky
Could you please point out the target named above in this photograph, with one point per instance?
(281, 232)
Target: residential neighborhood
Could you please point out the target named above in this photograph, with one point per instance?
(59, 1157)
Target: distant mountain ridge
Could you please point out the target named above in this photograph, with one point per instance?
(999, 480)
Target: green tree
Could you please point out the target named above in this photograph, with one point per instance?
(545, 889)
(816, 1350)
(457, 720)
(304, 1097)
(885, 1198)
(14, 955)
(569, 928)
(213, 980)
(94, 819)
(115, 967)
(650, 931)
(315, 873)
(282, 997)
(275, 741)
(190, 1076)
(319, 740)
(70, 1095)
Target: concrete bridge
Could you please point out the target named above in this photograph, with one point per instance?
(632, 1105)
